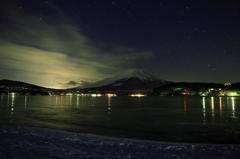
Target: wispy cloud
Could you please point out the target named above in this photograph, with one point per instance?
(39, 49)
(69, 84)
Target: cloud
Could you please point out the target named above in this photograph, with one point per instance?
(85, 84)
(48, 66)
(69, 84)
(72, 83)
(45, 50)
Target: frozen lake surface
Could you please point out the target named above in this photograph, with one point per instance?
(181, 118)
(29, 142)
(86, 127)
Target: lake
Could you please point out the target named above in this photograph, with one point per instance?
(151, 117)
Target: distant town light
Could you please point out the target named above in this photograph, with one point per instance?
(93, 95)
(137, 95)
(233, 94)
(227, 84)
(110, 95)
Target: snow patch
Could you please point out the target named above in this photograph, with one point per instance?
(143, 76)
(32, 142)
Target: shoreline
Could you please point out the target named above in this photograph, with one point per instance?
(198, 134)
(39, 143)
(220, 136)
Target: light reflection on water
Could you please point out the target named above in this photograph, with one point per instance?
(204, 110)
(144, 112)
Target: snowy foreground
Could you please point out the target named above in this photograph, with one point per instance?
(31, 142)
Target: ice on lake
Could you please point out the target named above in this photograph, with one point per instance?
(71, 125)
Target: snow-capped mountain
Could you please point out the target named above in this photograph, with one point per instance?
(132, 79)
(131, 73)
(143, 76)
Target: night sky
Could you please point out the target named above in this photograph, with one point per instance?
(66, 43)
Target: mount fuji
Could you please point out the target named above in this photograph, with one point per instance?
(129, 81)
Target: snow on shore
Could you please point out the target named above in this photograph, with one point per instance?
(31, 142)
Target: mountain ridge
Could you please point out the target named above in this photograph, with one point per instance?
(123, 76)
(12, 83)
(130, 80)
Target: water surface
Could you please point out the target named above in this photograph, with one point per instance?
(122, 113)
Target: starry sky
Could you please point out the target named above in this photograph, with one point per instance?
(61, 44)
